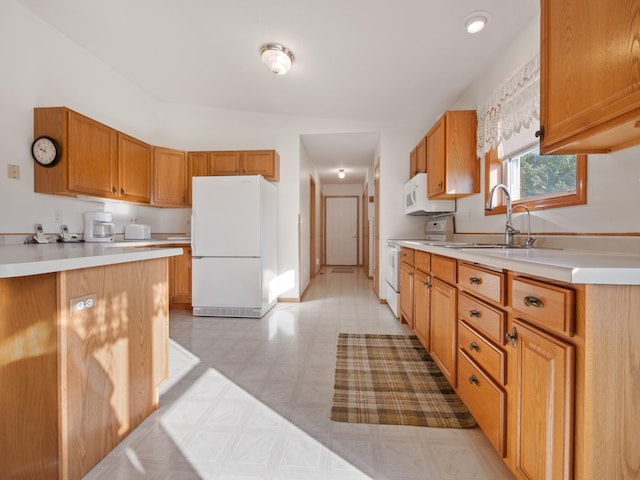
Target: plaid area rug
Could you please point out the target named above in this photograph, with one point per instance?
(391, 379)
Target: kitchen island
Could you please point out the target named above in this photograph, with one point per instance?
(83, 349)
(541, 345)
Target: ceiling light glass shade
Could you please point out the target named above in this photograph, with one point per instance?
(476, 21)
(341, 173)
(277, 58)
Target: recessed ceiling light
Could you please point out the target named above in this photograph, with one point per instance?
(277, 58)
(476, 21)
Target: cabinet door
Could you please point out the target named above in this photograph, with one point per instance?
(92, 157)
(421, 156)
(169, 177)
(413, 163)
(422, 306)
(443, 328)
(180, 280)
(224, 163)
(589, 83)
(454, 170)
(258, 162)
(134, 169)
(406, 293)
(436, 159)
(198, 165)
(545, 404)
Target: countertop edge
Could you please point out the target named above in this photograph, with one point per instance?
(109, 255)
(570, 274)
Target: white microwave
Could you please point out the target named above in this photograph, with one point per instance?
(416, 201)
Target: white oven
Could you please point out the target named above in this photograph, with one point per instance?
(392, 284)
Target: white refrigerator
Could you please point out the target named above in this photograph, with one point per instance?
(234, 246)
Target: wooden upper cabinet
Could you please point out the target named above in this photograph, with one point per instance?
(262, 162)
(418, 159)
(134, 169)
(95, 160)
(454, 170)
(224, 163)
(249, 162)
(92, 155)
(589, 76)
(198, 166)
(421, 156)
(413, 166)
(169, 177)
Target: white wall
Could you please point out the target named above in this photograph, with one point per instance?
(67, 75)
(613, 180)
(41, 67)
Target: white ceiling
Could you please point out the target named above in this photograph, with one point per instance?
(397, 62)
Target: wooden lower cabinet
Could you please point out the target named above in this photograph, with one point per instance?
(544, 390)
(443, 331)
(180, 279)
(548, 369)
(406, 293)
(75, 381)
(422, 306)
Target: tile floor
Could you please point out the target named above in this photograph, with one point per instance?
(250, 399)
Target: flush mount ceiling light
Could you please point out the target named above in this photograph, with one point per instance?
(476, 21)
(277, 58)
(341, 173)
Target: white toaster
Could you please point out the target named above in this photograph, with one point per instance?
(137, 231)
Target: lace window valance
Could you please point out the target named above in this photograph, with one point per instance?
(515, 104)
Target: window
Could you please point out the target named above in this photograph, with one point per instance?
(537, 181)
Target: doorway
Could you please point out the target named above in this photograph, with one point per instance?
(341, 230)
(312, 228)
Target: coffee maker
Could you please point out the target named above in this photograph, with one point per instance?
(98, 227)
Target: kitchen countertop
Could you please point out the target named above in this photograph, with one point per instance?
(567, 265)
(33, 259)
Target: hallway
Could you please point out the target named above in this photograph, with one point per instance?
(250, 399)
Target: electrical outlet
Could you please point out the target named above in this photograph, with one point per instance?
(81, 303)
(57, 216)
(13, 171)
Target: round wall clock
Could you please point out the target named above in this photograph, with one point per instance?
(45, 151)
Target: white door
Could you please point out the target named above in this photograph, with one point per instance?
(342, 230)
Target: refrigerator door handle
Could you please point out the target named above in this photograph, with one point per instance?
(193, 237)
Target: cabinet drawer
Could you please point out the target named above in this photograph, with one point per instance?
(488, 320)
(486, 355)
(486, 401)
(422, 261)
(486, 283)
(406, 255)
(444, 268)
(546, 305)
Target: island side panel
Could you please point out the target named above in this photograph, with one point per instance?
(612, 390)
(111, 350)
(28, 378)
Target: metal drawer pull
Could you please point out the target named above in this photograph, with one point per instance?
(475, 280)
(474, 313)
(474, 346)
(473, 379)
(512, 337)
(530, 301)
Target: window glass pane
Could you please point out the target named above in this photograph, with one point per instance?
(533, 175)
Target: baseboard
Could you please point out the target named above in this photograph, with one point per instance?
(288, 299)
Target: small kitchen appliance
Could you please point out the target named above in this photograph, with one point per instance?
(416, 201)
(98, 227)
(137, 231)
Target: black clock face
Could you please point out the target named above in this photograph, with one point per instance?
(45, 151)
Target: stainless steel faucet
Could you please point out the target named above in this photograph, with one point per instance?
(509, 230)
(528, 243)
